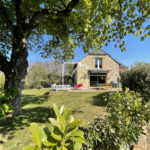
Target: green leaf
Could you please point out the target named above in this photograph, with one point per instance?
(67, 113)
(71, 119)
(49, 141)
(56, 148)
(71, 130)
(29, 147)
(146, 35)
(62, 109)
(123, 42)
(77, 133)
(37, 134)
(75, 123)
(45, 131)
(138, 34)
(53, 121)
(56, 110)
(56, 134)
(142, 38)
(77, 139)
(62, 121)
(76, 146)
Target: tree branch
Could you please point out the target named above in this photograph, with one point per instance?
(70, 6)
(66, 11)
(31, 28)
(3, 63)
(4, 15)
(62, 3)
(17, 4)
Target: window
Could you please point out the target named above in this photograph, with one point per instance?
(98, 63)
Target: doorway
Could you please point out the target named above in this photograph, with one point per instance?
(95, 79)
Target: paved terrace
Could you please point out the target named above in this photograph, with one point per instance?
(89, 90)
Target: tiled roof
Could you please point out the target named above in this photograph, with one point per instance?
(98, 52)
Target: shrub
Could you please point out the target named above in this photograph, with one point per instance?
(122, 124)
(64, 133)
(137, 78)
(8, 94)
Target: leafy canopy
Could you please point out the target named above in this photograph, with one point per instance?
(71, 23)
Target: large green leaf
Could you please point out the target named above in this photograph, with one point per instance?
(62, 109)
(37, 134)
(64, 148)
(77, 133)
(29, 147)
(75, 123)
(53, 121)
(56, 110)
(77, 139)
(61, 120)
(49, 141)
(56, 134)
(67, 113)
(45, 131)
(71, 130)
(71, 119)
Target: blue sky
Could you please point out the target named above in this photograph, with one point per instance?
(136, 51)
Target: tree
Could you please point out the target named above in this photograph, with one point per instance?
(36, 74)
(43, 72)
(137, 78)
(68, 24)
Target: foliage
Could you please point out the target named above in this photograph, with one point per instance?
(40, 73)
(122, 125)
(7, 94)
(137, 78)
(64, 133)
(65, 24)
(69, 24)
(2, 80)
(5, 109)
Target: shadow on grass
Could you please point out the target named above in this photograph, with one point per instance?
(98, 100)
(32, 99)
(76, 111)
(37, 114)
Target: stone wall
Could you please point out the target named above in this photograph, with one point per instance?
(88, 63)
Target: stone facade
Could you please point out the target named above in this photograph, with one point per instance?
(88, 63)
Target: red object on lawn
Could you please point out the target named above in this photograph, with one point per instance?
(78, 86)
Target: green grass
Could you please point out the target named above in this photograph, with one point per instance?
(37, 107)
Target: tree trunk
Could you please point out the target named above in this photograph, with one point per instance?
(17, 69)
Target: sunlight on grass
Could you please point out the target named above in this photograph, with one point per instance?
(37, 107)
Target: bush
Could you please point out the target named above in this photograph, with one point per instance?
(8, 94)
(64, 133)
(137, 78)
(122, 123)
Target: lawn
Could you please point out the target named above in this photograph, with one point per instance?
(37, 107)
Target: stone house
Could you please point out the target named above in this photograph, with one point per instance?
(97, 67)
